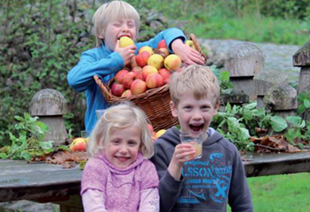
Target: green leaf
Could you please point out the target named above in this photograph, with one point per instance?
(62, 147)
(278, 124)
(46, 144)
(3, 155)
(306, 103)
(294, 120)
(290, 135)
(244, 133)
(25, 154)
(250, 106)
(225, 75)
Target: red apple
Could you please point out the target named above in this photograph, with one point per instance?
(78, 144)
(138, 86)
(117, 89)
(127, 93)
(163, 52)
(146, 48)
(148, 70)
(162, 44)
(150, 128)
(154, 80)
(128, 79)
(142, 58)
(172, 62)
(167, 81)
(120, 75)
(164, 73)
(138, 72)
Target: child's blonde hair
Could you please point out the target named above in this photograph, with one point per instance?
(196, 79)
(113, 11)
(121, 116)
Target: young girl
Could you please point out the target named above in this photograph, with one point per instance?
(111, 22)
(118, 176)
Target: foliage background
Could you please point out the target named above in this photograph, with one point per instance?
(40, 41)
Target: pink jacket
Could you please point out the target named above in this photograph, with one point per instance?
(121, 187)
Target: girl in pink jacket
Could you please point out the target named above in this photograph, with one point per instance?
(118, 176)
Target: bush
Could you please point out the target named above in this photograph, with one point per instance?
(40, 42)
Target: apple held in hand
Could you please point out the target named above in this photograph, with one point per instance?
(78, 144)
(125, 41)
(190, 43)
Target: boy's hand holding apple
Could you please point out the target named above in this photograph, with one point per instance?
(187, 54)
(127, 52)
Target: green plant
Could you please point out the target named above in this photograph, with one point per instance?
(303, 102)
(239, 123)
(223, 77)
(294, 133)
(28, 143)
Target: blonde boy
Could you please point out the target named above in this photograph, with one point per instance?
(112, 21)
(218, 177)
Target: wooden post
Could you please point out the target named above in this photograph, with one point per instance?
(302, 59)
(50, 106)
(243, 62)
(265, 80)
(282, 100)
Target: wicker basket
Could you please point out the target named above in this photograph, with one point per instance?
(154, 102)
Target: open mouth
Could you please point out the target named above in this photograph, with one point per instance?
(123, 36)
(196, 127)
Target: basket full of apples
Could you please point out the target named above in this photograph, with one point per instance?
(146, 83)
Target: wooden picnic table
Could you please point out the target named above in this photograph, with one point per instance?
(43, 182)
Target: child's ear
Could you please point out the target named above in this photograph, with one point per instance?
(216, 108)
(174, 110)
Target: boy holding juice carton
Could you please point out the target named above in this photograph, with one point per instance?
(190, 181)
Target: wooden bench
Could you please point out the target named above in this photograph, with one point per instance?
(41, 182)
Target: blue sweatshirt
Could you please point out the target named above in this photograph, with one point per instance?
(207, 184)
(105, 64)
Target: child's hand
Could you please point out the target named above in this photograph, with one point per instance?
(182, 153)
(127, 53)
(187, 54)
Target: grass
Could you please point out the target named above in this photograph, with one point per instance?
(264, 29)
(219, 20)
(281, 193)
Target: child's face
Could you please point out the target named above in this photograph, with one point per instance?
(123, 146)
(194, 115)
(117, 29)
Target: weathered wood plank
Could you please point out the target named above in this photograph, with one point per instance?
(47, 182)
(276, 164)
(19, 180)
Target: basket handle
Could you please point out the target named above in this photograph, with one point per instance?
(107, 94)
(197, 45)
